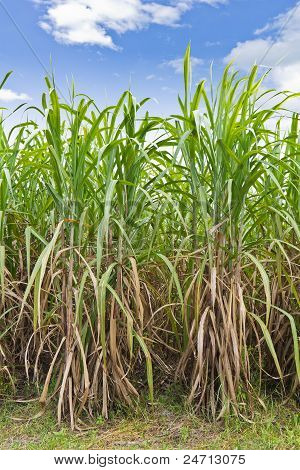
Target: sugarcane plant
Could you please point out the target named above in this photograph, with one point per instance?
(137, 251)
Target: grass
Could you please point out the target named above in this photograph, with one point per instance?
(138, 252)
(166, 426)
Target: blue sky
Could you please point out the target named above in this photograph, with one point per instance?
(108, 44)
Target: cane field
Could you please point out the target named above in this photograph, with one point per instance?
(143, 257)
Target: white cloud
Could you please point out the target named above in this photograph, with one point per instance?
(212, 43)
(8, 95)
(177, 64)
(168, 89)
(277, 47)
(90, 21)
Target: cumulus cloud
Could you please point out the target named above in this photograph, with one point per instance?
(276, 45)
(8, 95)
(177, 64)
(92, 21)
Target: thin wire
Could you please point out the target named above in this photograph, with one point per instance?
(35, 54)
(292, 13)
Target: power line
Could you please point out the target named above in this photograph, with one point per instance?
(290, 16)
(26, 40)
(23, 37)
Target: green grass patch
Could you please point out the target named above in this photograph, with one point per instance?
(166, 425)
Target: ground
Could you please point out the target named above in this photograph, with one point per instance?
(167, 425)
